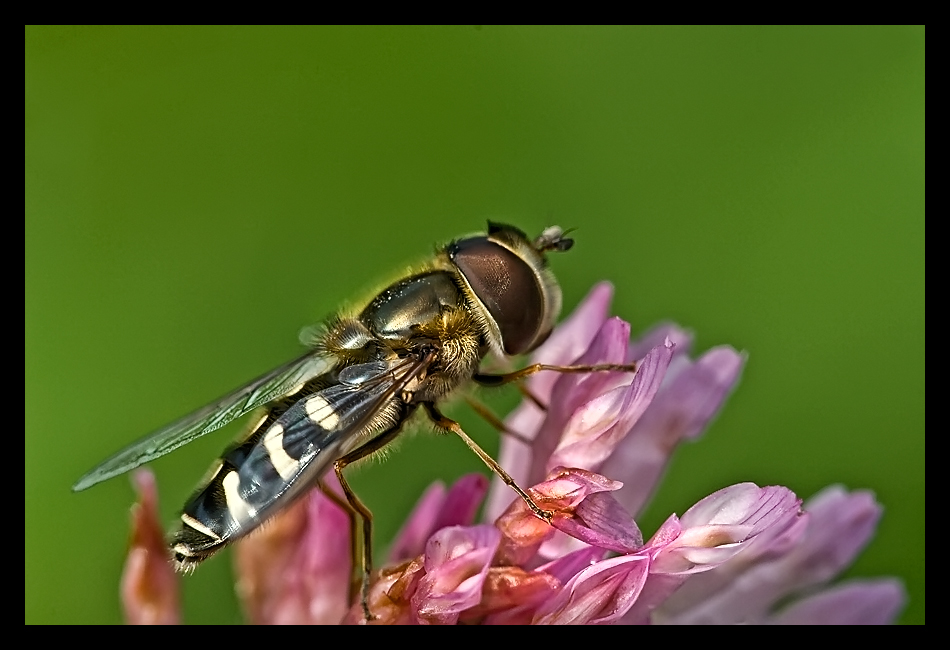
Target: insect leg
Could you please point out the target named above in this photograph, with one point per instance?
(352, 514)
(494, 420)
(501, 380)
(488, 416)
(448, 424)
(531, 396)
(358, 508)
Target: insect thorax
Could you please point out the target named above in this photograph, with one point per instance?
(420, 315)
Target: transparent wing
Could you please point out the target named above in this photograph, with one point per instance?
(261, 391)
(298, 448)
(261, 476)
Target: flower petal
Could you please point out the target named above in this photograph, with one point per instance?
(411, 538)
(566, 567)
(601, 593)
(149, 586)
(681, 410)
(705, 587)
(595, 429)
(523, 533)
(725, 522)
(861, 602)
(602, 522)
(457, 560)
(708, 535)
(744, 503)
(573, 390)
(436, 509)
(837, 526)
(296, 569)
(462, 501)
(842, 524)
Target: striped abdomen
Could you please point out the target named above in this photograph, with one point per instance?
(280, 459)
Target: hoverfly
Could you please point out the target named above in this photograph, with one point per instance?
(366, 374)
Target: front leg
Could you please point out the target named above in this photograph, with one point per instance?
(447, 424)
(500, 380)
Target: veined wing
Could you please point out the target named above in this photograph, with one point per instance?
(295, 450)
(261, 391)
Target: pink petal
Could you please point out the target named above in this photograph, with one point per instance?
(149, 586)
(743, 503)
(842, 524)
(567, 487)
(601, 593)
(411, 538)
(296, 569)
(710, 534)
(722, 525)
(602, 522)
(703, 588)
(462, 501)
(566, 567)
(837, 526)
(574, 390)
(560, 544)
(595, 429)
(523, 533)
(681, 410)
(865, 602)
(437, 509)
(457, 561)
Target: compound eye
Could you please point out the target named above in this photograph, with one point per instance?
(506, 285)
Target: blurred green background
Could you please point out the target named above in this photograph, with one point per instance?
(194, 196)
